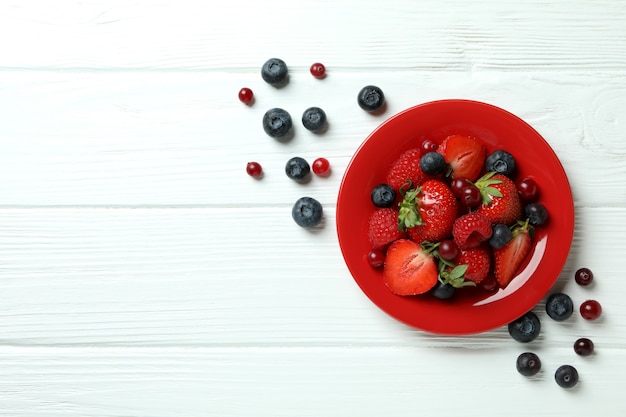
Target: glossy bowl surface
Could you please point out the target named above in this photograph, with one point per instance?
(472, 310)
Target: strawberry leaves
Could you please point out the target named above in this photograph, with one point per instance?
(485, 186)
(449, 273)
(408, 214)
(454, 276)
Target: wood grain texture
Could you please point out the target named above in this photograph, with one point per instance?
(174, 277)
(136, 139)
(365, 35)
(143, 273)
(306, 381)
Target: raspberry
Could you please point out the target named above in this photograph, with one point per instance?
(383, 228)
(406, 168)
(471, 229)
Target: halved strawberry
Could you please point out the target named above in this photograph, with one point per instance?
(406, 168)
(383, 228)
(409, 269)
(465, 156)
(471, 229)
(478, 261)
(428, 212)
(510, 258)
(500, 199)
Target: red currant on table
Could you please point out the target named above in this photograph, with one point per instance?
(376, 258)
(246, 95)
(527, 188)
(590, 309)
(318, 70)
(583, 346)
(583, 276)
(321, 166)
(254, 169)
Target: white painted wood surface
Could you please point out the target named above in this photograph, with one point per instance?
(143, 273)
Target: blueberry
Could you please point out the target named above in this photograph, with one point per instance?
(501, 162)
(314, 119)
(383, 195)
(566, 376)
(443, 291)
(277, 122)
(371, 98)
(528, 364)
(432, 163)
(274, 71)
(297, 168)
(536, 213)
(307, 212)
(500, 236)
(559, 306)
(525, 328)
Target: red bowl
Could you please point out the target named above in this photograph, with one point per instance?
(472, 310)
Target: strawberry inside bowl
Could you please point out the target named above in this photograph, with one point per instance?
(472, 309)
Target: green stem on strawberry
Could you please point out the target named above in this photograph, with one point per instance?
(522, 226)
(408, 214)
(454, 276)
(484, 185)
(449, 272)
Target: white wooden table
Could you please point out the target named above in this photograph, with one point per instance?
(143, 273)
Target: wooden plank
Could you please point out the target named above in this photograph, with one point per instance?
(229, 277)
(145, 139)
(450, 35)
(307, 381)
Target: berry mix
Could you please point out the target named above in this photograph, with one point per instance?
(449, 216)
(277, 123)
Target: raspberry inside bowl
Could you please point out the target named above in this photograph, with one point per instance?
(473, 310)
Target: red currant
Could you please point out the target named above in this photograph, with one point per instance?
(470, 196)
(583, 346)
(448, 249)
(590, 309)
(527, 188)
(246, 96)
(376, 258)
(254, 169)
(429, 145)
(490, 283)
(321, 166)
(583, 276)
(318, 70)
(457, 186)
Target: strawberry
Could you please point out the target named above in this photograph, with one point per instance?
(509, 258)
(465, 156)
(406, 168)
(383, 228)
(500, 199)
(409, 269)
(478, 261)
(428, 211)
(471, 229)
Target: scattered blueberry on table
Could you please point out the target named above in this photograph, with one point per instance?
(274, 71)
(559, 306)
(371, 98)
(566, 376)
